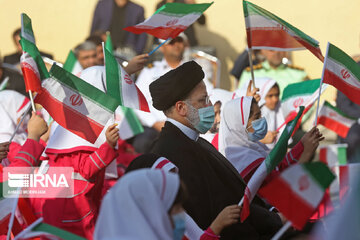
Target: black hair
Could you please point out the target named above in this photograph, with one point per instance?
(16, 32)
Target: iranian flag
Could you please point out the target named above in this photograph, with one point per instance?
(335, 120)
(333, 155)
(347, 174)
(32, 65)
(267, 31)
(276, 155)
(298, 191)
(120, 85)
(341, 71)
(72, 64)
(129, 124)
(41, 229)
(299, 94)
(75, 104)
(170, 20)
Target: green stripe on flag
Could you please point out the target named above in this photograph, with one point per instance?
(278, 153)
(343, 59)
(182, 9)
(31, 48)
(85, 89)
(43, 227)
(133, 121)
(70, 61)
(113, 77)
(108, 44)
(301, 88)
(327, 104)
(320, 173)
(342, 157)
(26, 28)
(254, 9)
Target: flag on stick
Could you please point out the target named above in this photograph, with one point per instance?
(342, 72)
(75, 104)
(72, 64)
(170, 20)
(335, 120)
(120, 86)
(298, 191)
(333, 155)
(271, 161)
(267, 31)
(32, 64)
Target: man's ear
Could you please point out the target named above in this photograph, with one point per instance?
(181, 108)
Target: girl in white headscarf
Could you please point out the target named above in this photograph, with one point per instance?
(270, 108)
(242, 127)
(12, 107)
(144, 204)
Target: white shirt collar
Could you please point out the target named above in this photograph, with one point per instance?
(190, 133)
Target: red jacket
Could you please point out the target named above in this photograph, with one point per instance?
(78, 213)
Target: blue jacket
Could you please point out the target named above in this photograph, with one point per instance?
(134, 15)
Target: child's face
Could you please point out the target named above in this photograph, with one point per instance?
(272, 98)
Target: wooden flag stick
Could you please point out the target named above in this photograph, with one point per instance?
(159, 46)
(32, 101)
(250, 53)
(282, 230)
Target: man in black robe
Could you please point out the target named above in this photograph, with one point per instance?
(212, 182)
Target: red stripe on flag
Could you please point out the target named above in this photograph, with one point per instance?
(159, 32)
(279, 194)
(273, 37)
(322, 157)
(339, 128)
(143, 104)
(350, 91)
(245, 211)
(68, 118)
(343, 181)
(316, 51)
(32, 82)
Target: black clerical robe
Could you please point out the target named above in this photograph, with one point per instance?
(213, 183)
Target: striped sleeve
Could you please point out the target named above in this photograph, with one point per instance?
(292, 156)
(29, 154)
(93, 163)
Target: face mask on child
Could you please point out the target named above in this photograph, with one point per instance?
(179, 223)
(260, 130)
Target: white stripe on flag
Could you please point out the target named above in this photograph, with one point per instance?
(83, 105)
(167, 21)
(311, 192)
(335, 67)
(332, 114)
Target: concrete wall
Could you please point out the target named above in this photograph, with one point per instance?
(60, 25)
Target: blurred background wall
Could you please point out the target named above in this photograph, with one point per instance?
(61, 25)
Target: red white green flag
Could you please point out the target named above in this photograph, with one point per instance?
(347, 174)
(333, 155)
(299, 94)
(120, 86)
(342, 72)
(267, 31)
(276, 155)
(75, 104)
(298, 191)
(335, 120)
(170, 20)
(32, 64)
(41, 229)
(72, 64)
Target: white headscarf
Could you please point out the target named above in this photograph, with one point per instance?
(233, 140)
(137, 206)
(264, 85)
(12, 107)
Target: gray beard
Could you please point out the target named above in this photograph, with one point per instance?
(193, 115)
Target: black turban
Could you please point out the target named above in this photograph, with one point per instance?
(175, 85)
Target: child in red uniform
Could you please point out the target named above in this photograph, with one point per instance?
(77, 213)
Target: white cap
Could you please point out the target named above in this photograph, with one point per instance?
(181, 35)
